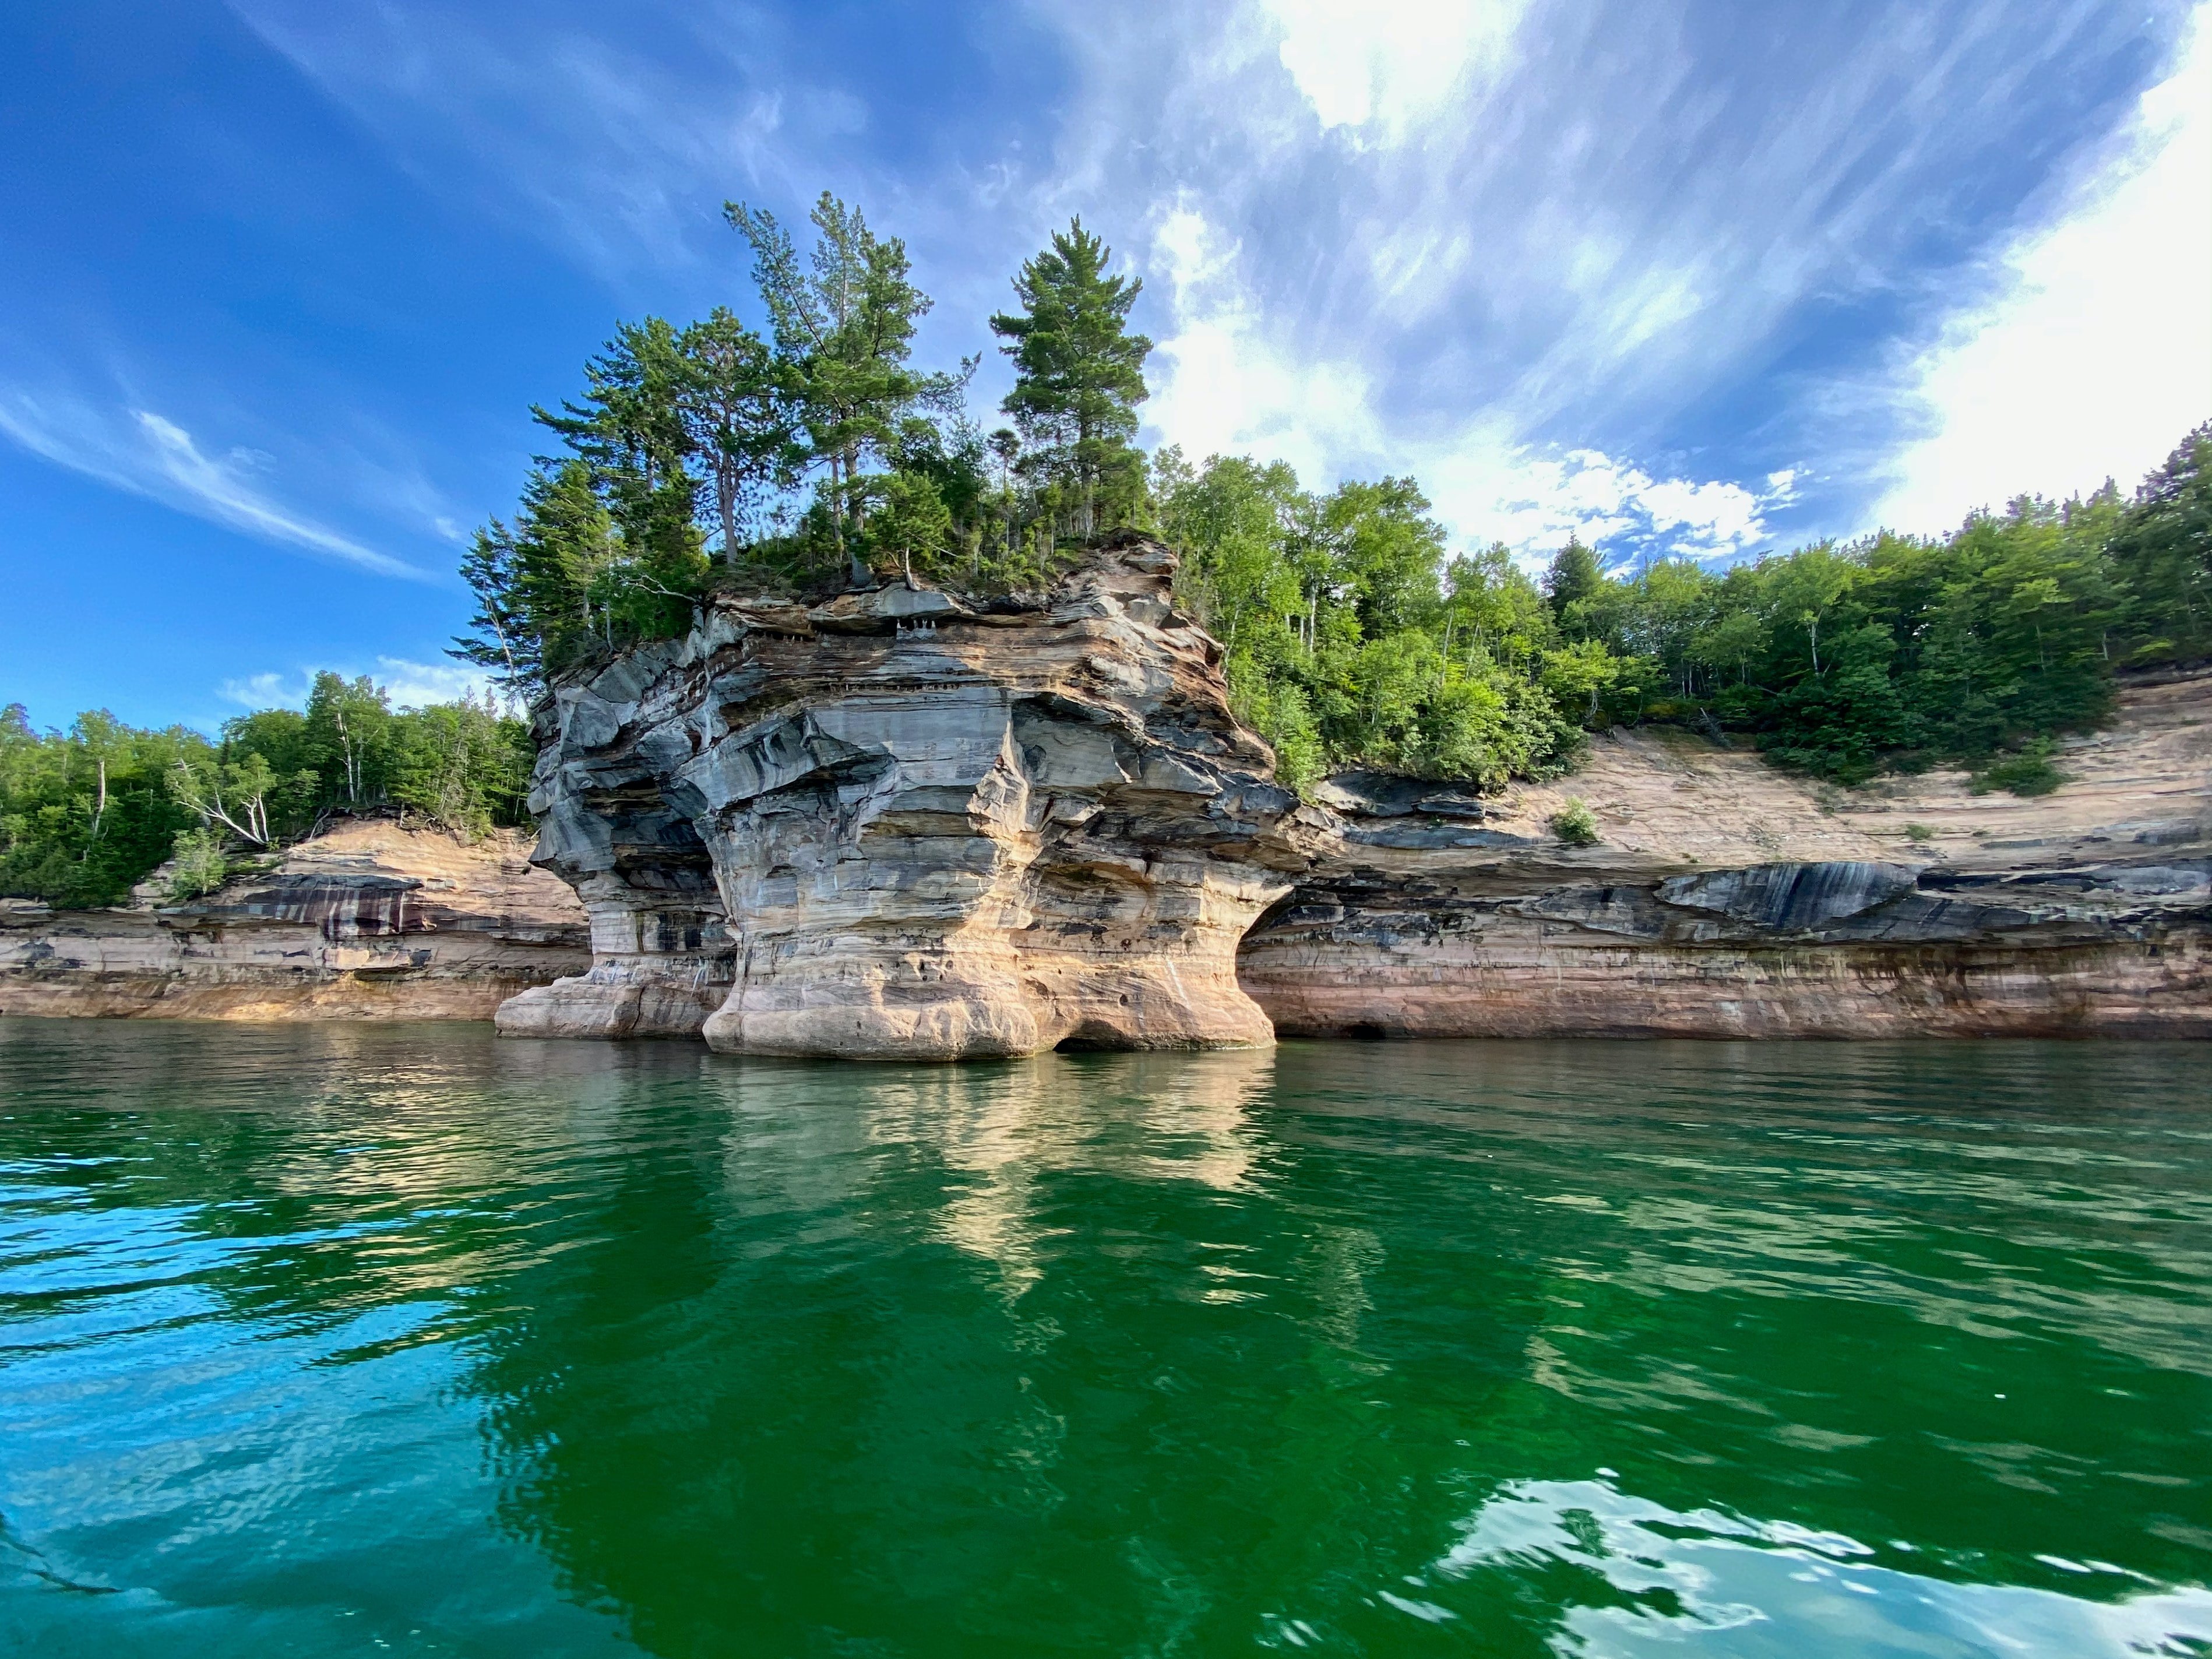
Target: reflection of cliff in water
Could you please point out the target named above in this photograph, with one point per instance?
(903, 1357)
(1162, 1350)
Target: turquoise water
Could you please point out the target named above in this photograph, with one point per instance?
(349, 1341)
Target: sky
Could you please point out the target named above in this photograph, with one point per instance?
(280, 281)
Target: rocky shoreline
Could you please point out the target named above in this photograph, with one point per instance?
(900, 824)
(372, 919)
(946, 832)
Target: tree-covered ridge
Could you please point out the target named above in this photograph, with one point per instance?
(815, 456)
(87, 813)
(1352, 638)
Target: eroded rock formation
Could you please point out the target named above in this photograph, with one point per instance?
(894, 825)
(373, 920)
(1727, 899)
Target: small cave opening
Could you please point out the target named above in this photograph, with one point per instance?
(1093, 1037)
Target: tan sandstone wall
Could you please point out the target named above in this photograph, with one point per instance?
(897, 825)
(1729, 899)
(373, 920)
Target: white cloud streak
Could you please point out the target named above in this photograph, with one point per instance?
(408, 684)
(148, 454)
(1228, 384)
(2097, 355)
(1533, 253)
(1385, 67)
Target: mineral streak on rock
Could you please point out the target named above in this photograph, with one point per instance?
(373, 920)
(1727, 899)
(898, 825)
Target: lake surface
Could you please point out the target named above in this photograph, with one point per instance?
(351, 1340)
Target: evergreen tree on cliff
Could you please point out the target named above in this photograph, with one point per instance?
(2163, 552)
(1078, 373)
(843, 324)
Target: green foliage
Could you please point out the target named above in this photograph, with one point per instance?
(2028, 773)
(1348, 637)
(1342, 647)
(462, 765)
(1844, 661)
(2161, 554)
(1078, 373)
(1575, 824)
(87, 813)
(200, 865)
(1573, 581)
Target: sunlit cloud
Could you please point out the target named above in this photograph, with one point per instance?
(1384, 67)
(148, 454)
(2096, 355)
(1229, 384)
(408, 684)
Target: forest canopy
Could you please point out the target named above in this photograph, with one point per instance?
(87, 813)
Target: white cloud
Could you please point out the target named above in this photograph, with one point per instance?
(408, 684)
(1225, 386)
(2097, 356)
(1228, 382)
(1390, 64)
(149, 454)
(413, 685)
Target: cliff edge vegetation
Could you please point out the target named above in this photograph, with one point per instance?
(817, 457)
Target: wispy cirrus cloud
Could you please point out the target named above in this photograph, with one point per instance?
(1229, 382)
(1598, 267)
(1612, 268)
(146, 453)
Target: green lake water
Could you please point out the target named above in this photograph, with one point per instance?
(353, 1340)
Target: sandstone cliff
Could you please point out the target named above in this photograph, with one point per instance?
(373, 920)
(1727, 899)
(896, 825)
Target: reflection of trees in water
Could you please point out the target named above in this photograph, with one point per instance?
(920, 1360)
(1117, 1352)
(304, 1173)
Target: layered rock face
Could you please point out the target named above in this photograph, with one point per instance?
(1727, 899)
(373, 920)
(893, 825)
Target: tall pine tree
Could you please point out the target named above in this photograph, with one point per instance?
(1078, 373)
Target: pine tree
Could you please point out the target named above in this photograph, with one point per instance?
(1574, 577)
(1078, 373)
(844, 325)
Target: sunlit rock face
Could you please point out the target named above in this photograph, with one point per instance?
(896, 826)
(1729, 899)
(372, 919)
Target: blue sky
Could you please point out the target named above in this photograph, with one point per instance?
(279, 280)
